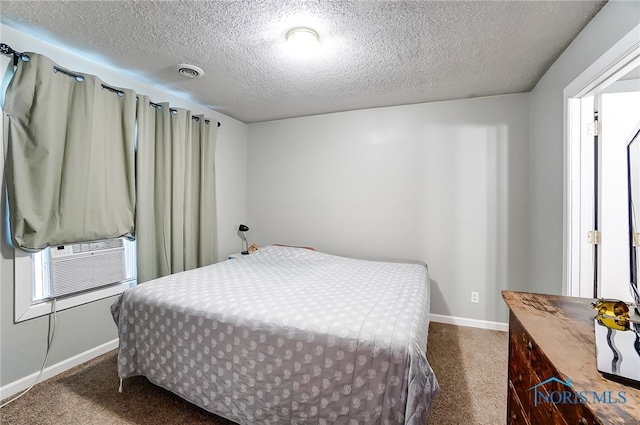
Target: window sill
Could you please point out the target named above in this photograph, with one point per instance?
(23, 287)
(44, 308)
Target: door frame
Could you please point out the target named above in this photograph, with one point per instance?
(613, 64)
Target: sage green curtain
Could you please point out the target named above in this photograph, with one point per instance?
(176, 223)
(70, 158)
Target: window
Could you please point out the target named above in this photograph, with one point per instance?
(72, 274)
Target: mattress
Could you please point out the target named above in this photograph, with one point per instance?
(286, 336)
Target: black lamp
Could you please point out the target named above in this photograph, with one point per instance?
(241, 230)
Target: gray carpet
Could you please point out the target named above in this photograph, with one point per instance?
(471, 366)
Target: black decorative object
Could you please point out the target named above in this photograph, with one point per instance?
(241, 231)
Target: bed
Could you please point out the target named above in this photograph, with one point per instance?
(286, 336)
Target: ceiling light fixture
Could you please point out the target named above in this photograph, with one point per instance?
(303, 42)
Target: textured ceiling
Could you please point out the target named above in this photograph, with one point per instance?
(372, 53)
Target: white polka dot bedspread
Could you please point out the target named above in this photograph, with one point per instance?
(286, 336)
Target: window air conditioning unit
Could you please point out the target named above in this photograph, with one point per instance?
(84, 266)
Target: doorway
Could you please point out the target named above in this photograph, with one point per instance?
(602, 115)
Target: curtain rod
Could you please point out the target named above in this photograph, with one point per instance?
(7, 50)
(159, 106)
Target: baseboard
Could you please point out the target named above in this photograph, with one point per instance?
(474, 323)
(53, 370)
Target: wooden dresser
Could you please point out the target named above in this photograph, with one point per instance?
(552, 337)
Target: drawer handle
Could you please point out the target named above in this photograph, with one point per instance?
(513, 419)
(529, 346)
(519, 378)
(582, 421)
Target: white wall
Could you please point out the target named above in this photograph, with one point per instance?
(22, 346)
(547, 162)
(444, 182)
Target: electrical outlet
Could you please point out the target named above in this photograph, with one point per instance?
(475, 297)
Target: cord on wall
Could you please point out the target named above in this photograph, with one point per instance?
(50, 333)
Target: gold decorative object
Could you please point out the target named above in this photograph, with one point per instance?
(611, 308)
(614, 314)
(618, 324)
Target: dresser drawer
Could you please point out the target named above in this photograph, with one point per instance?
(572, 410)
(544, 413)
(579, 414)
(524, 373)
(515, 412)
(520, 373)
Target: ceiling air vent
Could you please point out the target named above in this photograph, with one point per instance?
(190, 71)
